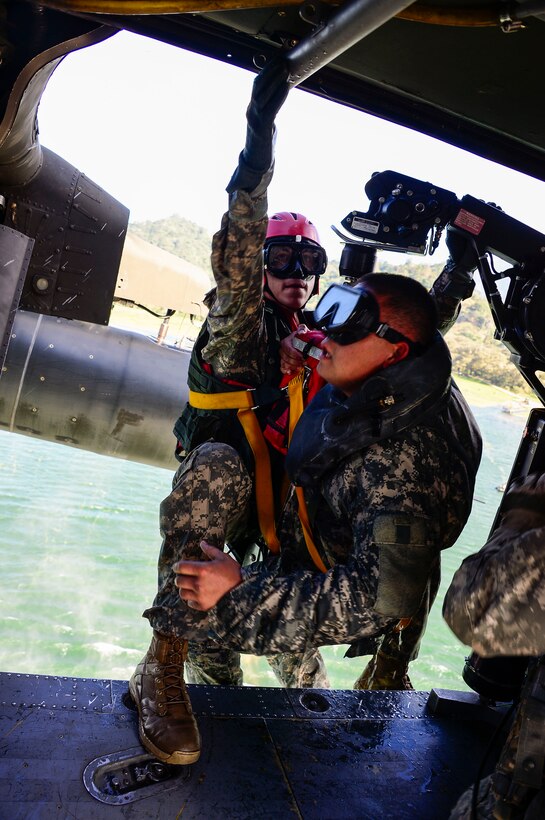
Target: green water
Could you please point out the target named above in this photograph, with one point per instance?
(79, 541)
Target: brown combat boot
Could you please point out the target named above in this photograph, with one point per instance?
(383, 672)
(166, 724)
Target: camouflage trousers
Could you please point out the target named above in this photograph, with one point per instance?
(389, 666)
(490, 808)
(209, 664)
(211, 497)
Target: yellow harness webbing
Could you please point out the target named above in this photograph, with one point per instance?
(243, 401)
(237, 400)
(263, 483)
(295, 393)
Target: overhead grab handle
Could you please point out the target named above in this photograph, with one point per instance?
(347, 26)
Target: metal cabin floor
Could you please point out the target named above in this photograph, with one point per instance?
(69, 749)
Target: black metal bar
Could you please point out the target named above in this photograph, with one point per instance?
(350, 24)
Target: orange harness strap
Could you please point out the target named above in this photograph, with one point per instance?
(263, 483)
(242, 401)
(295, 393)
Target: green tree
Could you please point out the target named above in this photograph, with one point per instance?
(179, 236)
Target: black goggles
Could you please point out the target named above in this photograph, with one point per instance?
(348, 314)
(288, 260)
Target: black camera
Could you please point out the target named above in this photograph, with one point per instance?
(409, 215)
(401, 214)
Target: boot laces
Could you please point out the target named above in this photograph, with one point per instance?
(174, 688)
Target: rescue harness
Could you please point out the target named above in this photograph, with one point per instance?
(245, 403)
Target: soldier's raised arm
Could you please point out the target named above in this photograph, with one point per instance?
(236, 341)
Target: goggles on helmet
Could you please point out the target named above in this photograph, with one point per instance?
(348, 314)
(288, 260)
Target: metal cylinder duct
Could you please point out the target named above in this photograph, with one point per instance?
(38, 40)
(96, 388)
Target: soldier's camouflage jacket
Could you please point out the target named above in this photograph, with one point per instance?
(496, 601)
(388, 475)
(411, 492)
(237, 348)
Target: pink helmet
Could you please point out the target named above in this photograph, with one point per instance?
(288, 223)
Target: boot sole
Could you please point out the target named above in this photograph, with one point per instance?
(176, 758)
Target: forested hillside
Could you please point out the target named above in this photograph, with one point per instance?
(179, 236)
(475, 353)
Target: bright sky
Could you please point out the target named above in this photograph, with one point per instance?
(161, 129)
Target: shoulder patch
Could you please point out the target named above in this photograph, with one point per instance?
(406, 556)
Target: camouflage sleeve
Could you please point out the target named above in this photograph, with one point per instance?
(380, 581)
(237, 344)
(270, 613)
(496, 601)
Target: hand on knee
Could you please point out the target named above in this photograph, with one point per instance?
(201, 584)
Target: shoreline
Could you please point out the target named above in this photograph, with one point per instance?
(482, 394)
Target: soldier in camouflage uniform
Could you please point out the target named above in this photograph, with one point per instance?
(386, 455)
(388, 668)
(239, 345)
(496, 605)
(250, 310)
(212, 497)
(237, 348)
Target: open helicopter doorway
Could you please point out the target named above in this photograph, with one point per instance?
(87, 522)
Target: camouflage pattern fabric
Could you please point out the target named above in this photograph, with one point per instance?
(210, 664)
(381, 512)
(384, 674)
(212, 492)
(496, 605)
(384, 515)
(488, 808)
(388, 668)
(237, 349)
(486, 800)
(392, 491)
(452, 286)
(300, 670)
(496, 601)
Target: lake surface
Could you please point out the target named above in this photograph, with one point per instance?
(79, 543)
